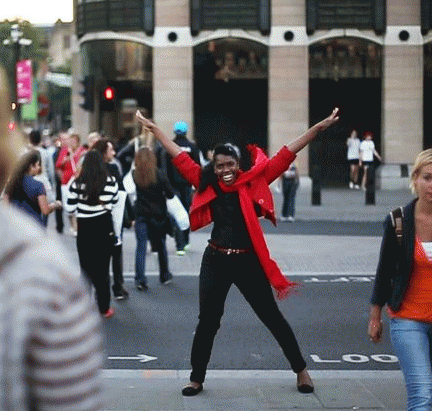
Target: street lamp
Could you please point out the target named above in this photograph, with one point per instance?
(16, 41)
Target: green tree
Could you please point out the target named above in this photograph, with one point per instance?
(36, 51)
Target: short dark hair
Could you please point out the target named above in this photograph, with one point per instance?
(35, 137)
(227, 149)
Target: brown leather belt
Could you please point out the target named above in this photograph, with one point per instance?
(229, 251)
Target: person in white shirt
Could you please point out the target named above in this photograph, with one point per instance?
(353, 156)
(367, 154)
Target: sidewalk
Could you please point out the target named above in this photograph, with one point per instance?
(343, 204)
(254, 390)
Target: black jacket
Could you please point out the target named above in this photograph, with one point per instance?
(150, 203)
(174, 177)
(395, 263)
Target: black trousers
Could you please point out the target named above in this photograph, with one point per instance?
(184, 193)
(117, 268)
(95, 243)
(218, 273)
(59, 212)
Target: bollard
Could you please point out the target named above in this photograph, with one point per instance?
(316, 192)
(370, 186)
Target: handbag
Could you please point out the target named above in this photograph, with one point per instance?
(178, 212)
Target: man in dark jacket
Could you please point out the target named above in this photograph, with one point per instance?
(181, 187)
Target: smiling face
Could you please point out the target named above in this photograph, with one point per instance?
(226, 168)
(423, 183)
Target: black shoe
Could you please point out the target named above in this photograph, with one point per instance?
(141, 286)
(305, 388)
(121, 295)
(167, 279)
(190, 391)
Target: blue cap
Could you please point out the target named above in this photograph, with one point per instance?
(180, 127)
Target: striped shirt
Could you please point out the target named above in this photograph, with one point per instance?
(77, 202)
(50, 330)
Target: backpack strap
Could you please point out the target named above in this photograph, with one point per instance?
(396, 217)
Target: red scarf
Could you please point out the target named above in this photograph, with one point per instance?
(272, 271)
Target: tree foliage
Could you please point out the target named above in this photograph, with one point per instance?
(37, 51)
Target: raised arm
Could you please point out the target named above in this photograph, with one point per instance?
(172, 148)
(313, 132)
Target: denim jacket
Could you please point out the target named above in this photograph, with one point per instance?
(395, 262)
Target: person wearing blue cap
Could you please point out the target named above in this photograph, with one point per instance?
(181, 187)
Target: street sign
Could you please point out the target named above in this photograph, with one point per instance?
(24, 74)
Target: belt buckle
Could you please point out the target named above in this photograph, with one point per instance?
(229, 251)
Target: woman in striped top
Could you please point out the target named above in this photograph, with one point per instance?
(92, 196)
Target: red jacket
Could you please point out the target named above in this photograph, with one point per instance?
(200, 212)
(67, 167)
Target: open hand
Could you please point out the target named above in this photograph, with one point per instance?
(331, 119)
(149, 125)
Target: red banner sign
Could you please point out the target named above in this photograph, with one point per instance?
(24, 75)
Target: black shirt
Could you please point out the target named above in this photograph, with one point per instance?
(229, 230)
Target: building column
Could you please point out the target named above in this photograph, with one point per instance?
(81, 120)
(172, 66)
(402, 111)
(172, 87)
(288, 98)
(402, 127)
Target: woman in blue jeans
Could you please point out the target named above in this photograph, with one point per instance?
(151, 215)
(404, 283)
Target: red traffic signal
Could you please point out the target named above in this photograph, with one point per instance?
(109, 93)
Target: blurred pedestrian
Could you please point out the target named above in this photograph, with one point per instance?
(67, 165)
(237, 252)
(290, 182)
(106, 148)
(59, 143)
(50, 337)
(353, 156)
(92, 196)
(47, 175)
(25, 192)
(151, 215)
(181, 186)
(403, 282)
(367, 156)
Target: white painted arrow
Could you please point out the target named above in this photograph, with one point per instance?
(140, 357)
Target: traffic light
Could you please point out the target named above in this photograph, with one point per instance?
(108, 99)
(88, 93)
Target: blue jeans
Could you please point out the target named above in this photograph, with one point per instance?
(411, 342)
(289, 188)
(141, 233)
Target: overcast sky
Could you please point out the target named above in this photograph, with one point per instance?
(37, 11)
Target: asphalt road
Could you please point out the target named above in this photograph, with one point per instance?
(334, 265)
(329, 316)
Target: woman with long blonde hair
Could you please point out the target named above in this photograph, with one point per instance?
(151, 215)
(403, 283)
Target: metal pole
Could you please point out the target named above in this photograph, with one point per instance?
(16, 59)
(370, 186)
(316, 185)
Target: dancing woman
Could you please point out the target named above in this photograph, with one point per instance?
(237, 253)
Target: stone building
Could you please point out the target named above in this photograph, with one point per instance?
(262, 71)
